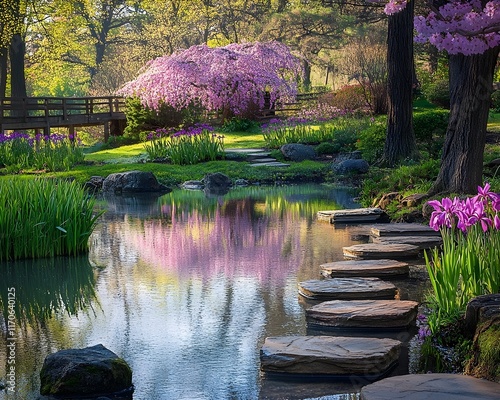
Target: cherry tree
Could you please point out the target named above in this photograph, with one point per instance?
(232, 79)
(469, 30)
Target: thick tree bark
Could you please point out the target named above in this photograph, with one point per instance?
(471, 85)
(18, 81)
(400, 142)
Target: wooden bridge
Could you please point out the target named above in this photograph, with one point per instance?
(43, 113)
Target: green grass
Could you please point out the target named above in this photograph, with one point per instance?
(494, 123)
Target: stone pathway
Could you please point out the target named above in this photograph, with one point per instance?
(383, 268)
(258, 157)
(354, 299)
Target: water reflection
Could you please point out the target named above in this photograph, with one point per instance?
(190, 286)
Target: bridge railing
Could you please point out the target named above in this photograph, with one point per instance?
(63, 107)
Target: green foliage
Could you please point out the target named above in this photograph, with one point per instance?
(240, 125)
(430, 129)
(185, 147)
(141, 120)
(371, 140)
(495, 101)
(438, 92)
(44, 218)
(55, 153)
(325, 148)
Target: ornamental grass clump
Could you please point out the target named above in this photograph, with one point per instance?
(52, 153)
(468, 265)
(44, 218)
(188, 146)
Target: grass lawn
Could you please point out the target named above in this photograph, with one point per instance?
(494, 123)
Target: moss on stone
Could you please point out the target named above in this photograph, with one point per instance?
(485, 361)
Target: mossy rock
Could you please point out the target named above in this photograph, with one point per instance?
(90, 371)
(485, 360)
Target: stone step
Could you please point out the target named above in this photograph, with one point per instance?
(431, 386)
(329, 356)
(383, 268)
(355, 215)
(263, 160)
(422, 242)
(363, 314)
(347, 289)
(270, 164)
(403, 229)
(375, 250)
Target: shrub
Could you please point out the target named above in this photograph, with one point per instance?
(326, 148)
(430, 129)
(141, 120)
(236, 124)
(495, 101)
(349, 97)
(44, 218)
(438, 92)
(371, 140)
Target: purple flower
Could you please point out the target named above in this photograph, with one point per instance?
(443, 214)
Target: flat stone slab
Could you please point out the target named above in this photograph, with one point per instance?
(382, 268)
(431, 386)
(328, 355)
(355, 215)
(403, 229)
(347, 289)
(422, 242)
(270, 164)
(377, 250)
(360, 314)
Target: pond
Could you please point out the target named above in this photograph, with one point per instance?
(185, 288)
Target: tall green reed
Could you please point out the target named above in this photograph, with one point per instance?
(44, 218)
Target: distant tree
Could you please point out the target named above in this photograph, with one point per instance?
(230, 79)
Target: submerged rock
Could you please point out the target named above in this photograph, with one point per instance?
(216, 183)
(92, 371)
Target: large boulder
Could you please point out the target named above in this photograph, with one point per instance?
(297, 152)
(133, 182)
(216, 183)
(482, 319)
(351, 166)
(92, 371)
(94, 184)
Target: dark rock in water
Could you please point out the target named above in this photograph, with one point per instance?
(217, 183)
(94, 184)
(241, 182)
(133, 182)
(92, 371)
(351, 166)
(298, 152)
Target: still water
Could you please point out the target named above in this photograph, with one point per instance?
(185, 288)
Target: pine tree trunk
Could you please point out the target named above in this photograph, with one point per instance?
(471, 85)
(400, 141)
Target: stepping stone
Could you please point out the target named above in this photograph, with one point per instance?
(270, 164)
(375, 250)
(263, 160)
(365, 268)
(361, 314)
(355, 215)
(431, 386)
(347, 289)
(422, 242)
(331, 356)
(403, 229)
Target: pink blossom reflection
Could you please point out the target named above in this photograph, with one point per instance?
(234, 240)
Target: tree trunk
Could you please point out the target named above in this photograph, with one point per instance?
(471, 85)
(18, 81)
(307, 76)
(400, 142)
(3, 71)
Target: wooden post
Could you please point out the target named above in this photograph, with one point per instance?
(71, 133)
(106, 132)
